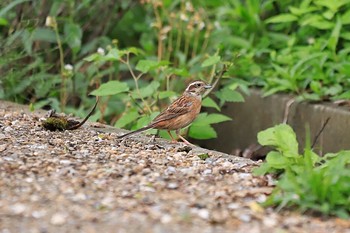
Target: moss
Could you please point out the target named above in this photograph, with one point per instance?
(55, 123)
(203, 156)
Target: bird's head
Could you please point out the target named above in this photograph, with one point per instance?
(197, 88)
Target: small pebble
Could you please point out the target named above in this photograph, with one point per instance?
(58, 219)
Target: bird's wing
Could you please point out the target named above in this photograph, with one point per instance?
(179, 107)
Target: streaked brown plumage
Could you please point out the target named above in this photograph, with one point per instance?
(180, 113)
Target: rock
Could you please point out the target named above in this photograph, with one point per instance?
(58, 219)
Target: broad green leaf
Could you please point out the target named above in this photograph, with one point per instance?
(183, 72)
(142, 121)
(44, 34)
(282, 137)
(212, 60)
(146, 65)
(145, 120)
(112, 55)
(127, 118)
(132, 50)
(282, 18)
(228, 95)
(73, 35)
(110, 88)
(166, 94)
(93, 57)
(202, 132)
(210, 103)
(146, 91)
(240, 42)
(277, 160)
(211, 119)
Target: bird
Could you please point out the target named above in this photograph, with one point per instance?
(179, 114)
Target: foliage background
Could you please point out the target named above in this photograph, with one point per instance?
(54, 53)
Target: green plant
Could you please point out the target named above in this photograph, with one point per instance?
(142, 101)
(290, 46)
(307, 181)
(49, 58)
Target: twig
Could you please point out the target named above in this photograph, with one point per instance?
(86, 118)
(218, 75)
(286, 110)
(319, 133)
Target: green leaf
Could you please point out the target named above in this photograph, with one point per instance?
(112, 55)
(73, 35)
(282, 137)
(316, 21)
(262, 170)
(277, 160)
(183, 72)
(202, 132)
(205, 119)
(212, 60)
(344, 95)
(203, 156)
(127, 118)
(302, 10)
(110, 88)
(142, 121)
(9, 6)
(3, 22)
(333, 40)
(345, 18)
(166, 94)
(93, 57)
(132, 50)
(210, 103)
(226, 94)
(147, 91)
(44, 34)
(146, 65)
(282, 18)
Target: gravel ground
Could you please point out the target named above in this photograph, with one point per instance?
(87, 181)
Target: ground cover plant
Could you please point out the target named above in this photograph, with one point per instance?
(307, 181)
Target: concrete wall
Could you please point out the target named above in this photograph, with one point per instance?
(258, 113)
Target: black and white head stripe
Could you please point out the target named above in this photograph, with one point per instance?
(197, 85)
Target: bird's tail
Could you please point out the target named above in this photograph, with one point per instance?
(136, 131)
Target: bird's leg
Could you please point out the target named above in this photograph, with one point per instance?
(172, 138)
(182, 138)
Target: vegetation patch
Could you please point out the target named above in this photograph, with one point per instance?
(306, 181)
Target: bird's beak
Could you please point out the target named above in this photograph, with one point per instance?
(207, 86)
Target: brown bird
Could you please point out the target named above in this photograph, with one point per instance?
(180, 113)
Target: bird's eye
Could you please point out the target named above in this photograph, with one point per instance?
(198, 84)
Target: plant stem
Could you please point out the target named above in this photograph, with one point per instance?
(136, 78)
(63, 91)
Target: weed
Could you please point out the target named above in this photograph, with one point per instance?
(307, 181)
